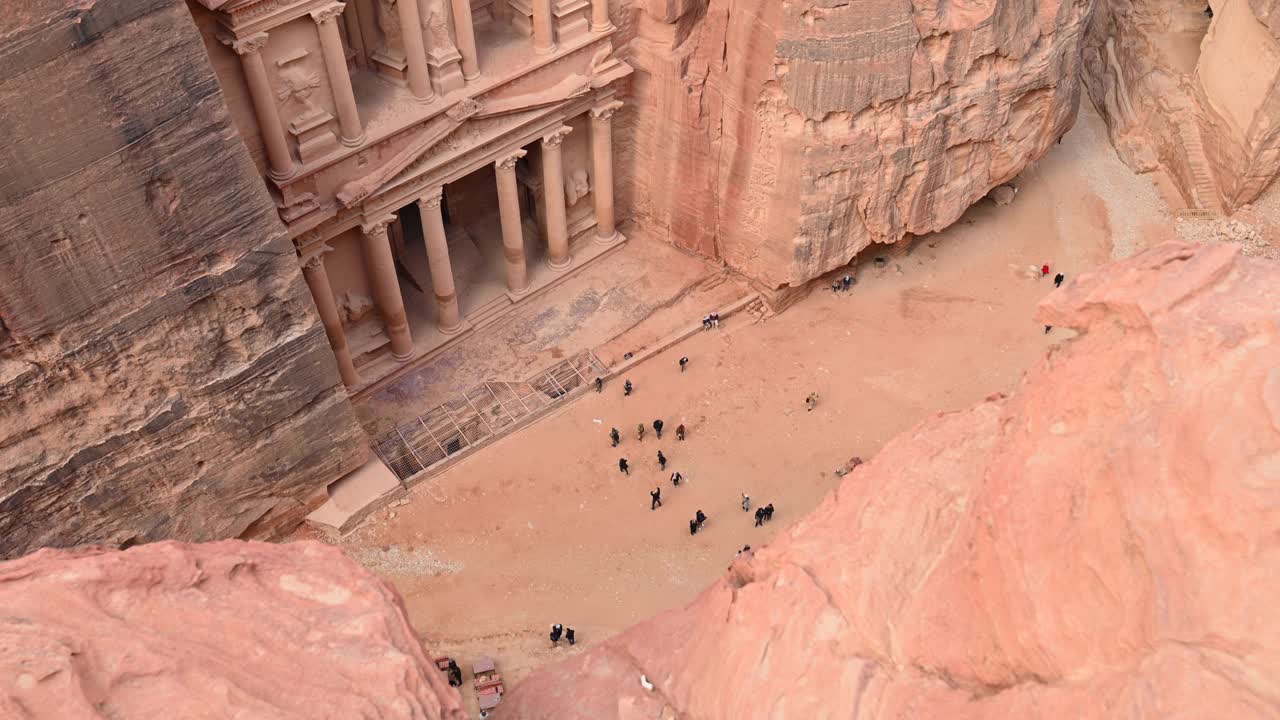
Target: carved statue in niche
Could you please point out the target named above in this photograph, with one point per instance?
(437, 26)
(576, 187)
(389, 23)
(297, 84)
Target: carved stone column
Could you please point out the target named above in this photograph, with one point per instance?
(600, 16)
(415, 50)
(448, 319)
(512, 229)
(553, 194)
(279, 162)
(318, 281)
(544, 41)
(386, 287)
(602, 169)
(465, 34)
(335, 64)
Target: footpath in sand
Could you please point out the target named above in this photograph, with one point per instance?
(541, 527)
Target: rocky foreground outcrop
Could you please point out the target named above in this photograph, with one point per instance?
(784, 137)
(163, 373)
(1103, 543)
(224, 630)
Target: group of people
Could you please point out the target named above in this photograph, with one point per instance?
(708, 322)
(558, 631)
(843, 284)
(615, 438)
(1057, 282)
(763, 514)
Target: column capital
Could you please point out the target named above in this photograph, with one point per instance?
(328, 13)
(376, 225)
(606, 111)
(432, 197)
(313, 257)
(557, 136)
(509, 161)
(244, 45)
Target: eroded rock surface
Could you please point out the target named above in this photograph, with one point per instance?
(785, 137)
(227, 629)
(163, 373)
(1102, 543)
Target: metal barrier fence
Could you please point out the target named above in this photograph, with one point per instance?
(483, 413)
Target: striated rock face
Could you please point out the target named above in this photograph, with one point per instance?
(229, 629)
(1103, 543)
(162, 370)
(785, 137)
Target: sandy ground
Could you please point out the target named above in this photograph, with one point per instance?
(541, 527)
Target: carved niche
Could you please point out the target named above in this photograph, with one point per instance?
(297, 79)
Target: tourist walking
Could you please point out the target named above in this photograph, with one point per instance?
(693, 527)
(715, 319)
(599, 384)
(640, 431)
(626, 388)
(568, 635)
(746, 503)
(680, 432)
(556, 632)
(614, 436)
(706, 322)
(700, 518)
(676, 477)
(1057, 279)
(1047, 328)
(768, 512)
(847, 282)
(662, 461)
(622, 465)
(684, 361)
(759, 517)
(655, 499)
(1044, 270)
(657, 428)
(455, 673)
(811, 402)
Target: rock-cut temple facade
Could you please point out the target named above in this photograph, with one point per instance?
(435, 161)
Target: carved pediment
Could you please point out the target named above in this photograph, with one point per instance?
(436, 130)
(476, 133)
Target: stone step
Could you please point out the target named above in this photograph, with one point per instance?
(490, 312)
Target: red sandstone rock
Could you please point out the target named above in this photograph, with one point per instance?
(1105, 542)
(229, 629)
(784, 137)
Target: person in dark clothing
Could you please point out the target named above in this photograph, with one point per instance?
(455, 673)
(715, 319)
(626, 388)
(655, 499)
(683, 361)
(746, 503)
(556, 631)
(1057, 279)
(599, 384)
(680, 432)
(622, 465)
(657, 428)
(846, 282)
(759, 516)
(706, 323)
(768, 512)
(568, 635)
(700, 518)
(676, 477)
(615, 437)
(1208, 10)
(693, 527)
(662, 461)
(1047, 328)
(835, 286)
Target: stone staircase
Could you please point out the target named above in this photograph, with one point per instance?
(490, 312)
(1204, 189)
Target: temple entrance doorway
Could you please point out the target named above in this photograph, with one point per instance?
(477, 261)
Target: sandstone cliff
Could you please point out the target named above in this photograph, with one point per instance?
(162, 370)
(1193, 97)
(785, 137)
(1103, 543)
(230, 629)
